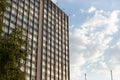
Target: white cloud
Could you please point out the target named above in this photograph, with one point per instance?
(55, 1)
(91, 9)
(114, 53)
(91, 40)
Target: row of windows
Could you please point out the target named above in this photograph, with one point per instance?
(53, 77)
(54, 27)
(55, 38)
(28, 77)
(51, 44)
(52, 56)
(53, 61)
(57, 71)
(56, 52)
(32, 57)
(54, 17)
(56, 34)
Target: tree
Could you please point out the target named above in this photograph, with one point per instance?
(12, 55)
(3, 6)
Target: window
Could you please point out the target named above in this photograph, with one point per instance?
(35, 33)
(34, 52)
(52, 61)
(28, 70)
(45, 5)
(29, 57)
(44, 38)
(35, 38)
(6, 22)
(48, 47)
(48, 72)
(6, 30)
(44, 50)
(19, 22)
(33, 66)
(35, 26)
(12, 25)
(43, 63)
(14, 12)
(35, 20)
(34, 59)
(44, 57)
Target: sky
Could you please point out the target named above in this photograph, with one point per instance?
(94, 38)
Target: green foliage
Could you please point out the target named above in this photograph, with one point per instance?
(11, 55)
(3, 6)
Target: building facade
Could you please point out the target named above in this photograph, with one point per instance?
(45, 27)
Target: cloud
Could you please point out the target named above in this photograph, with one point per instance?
(91, 9)
(90, 43)
(114, 53)
(55, 1)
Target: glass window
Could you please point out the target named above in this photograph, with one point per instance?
(28, 70)
(43, 63)
(35, 26)
(48, 71)
(34, 59)
(35, 32)
(12, 25)
(25, 26)
(14, 12)
(19, 23)
(48, 47)
(35, 20)
(44, 50)
(7, 15)
(6, 22)
(34, 51)
(29, 57)
(43, 76)
(48, 59)
(52, 61)
(6, 30)
(33, 66)
(35, 38)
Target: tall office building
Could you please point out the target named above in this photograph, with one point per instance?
(45, 27)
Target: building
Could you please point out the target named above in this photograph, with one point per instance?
(45, 26)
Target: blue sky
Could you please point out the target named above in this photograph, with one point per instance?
(94, 38)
